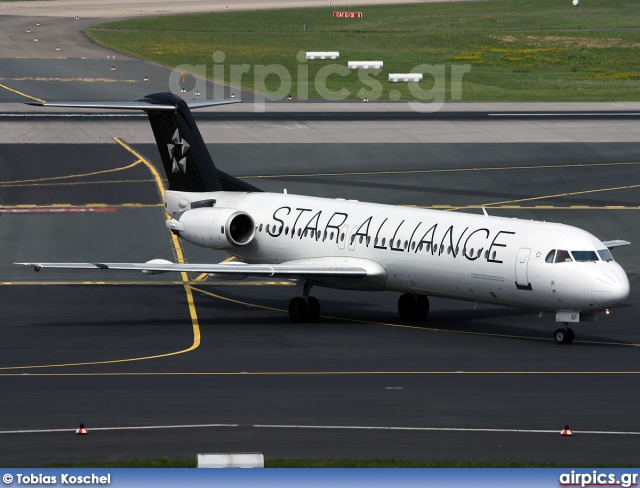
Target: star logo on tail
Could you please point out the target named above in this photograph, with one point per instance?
(177, 152)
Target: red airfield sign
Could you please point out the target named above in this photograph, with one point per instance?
(348, 15)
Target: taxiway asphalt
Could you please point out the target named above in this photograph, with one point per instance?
(208, 367)
(116, 351)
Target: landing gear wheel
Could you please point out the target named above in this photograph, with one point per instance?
(413, 306)
(314, 309)
(563, 336)
(407, 306)
(422, 306)
(298, 310)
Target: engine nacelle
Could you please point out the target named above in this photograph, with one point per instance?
(217, 228)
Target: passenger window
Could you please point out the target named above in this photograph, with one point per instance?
(550, 256)
(563, 257)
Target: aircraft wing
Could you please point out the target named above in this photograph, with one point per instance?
(231, 270)
(615, 243)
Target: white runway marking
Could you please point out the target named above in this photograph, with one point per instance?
(319, 427)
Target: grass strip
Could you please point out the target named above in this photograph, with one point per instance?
(516, 50)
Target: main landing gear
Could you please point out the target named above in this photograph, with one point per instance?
(413, 306)
(564, 335)
(305, 308)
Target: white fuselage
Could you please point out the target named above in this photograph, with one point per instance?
(438, 253)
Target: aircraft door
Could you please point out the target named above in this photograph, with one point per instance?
(352, 238)
(522, 261)
(343, 236)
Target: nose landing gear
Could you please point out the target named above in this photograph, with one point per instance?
(564, 335)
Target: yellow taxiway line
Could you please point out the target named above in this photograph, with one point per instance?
(20, 93)
(403, 326)
(333, 373)
(179, 254)
(431, 171)
(177, 249)
(176, 246)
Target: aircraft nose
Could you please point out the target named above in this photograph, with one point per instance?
(610, 287)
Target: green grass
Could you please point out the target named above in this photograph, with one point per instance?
(518, 50)
(322, 463)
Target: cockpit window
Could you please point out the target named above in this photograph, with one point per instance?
(605, 255)
(583, 256)
(563, 256)
(550, 256)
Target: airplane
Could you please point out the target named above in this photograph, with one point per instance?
(352, 245)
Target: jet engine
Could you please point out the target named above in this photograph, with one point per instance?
(216, 228)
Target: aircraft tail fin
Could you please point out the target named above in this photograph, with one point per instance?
(185, 158)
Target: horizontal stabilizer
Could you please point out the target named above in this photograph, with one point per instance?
(145, 104)
(185, 158)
